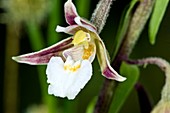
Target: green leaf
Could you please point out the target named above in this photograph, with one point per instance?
(156, 18)
(37, 43)
(54, 19)
(35, 36)
(123, 89)
(83, 7)
(90, 107)
(124, 22)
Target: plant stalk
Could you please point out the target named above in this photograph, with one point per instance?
(136, 25)
(101, 13)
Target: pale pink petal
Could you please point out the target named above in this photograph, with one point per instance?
(79, 52)
(85, 24)
(43, 56)
(70, 12)
(75, 52)
(72, 17)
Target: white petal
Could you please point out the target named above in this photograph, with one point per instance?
(55, 66)
(53, 63)
(81, 77)
(60, 29)
(78, 21)
(72, 29)
(63, 83)
(69, 61)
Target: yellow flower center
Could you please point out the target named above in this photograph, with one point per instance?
(82, 38)
(71, 68)
(88, 52)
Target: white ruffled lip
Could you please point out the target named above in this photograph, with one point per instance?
(64, 83)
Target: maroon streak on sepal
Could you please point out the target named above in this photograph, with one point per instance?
(108, 73)
(103, 58)
(43, 56)
(70, 12)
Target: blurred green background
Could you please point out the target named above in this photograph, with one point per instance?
(28, 82)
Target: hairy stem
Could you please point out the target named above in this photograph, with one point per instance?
(163, 104)
(136, 25)
(164, 66)
(103, 103)
(101, 13)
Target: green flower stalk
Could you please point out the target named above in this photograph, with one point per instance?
(135, 27)
(101, 13)
(163, 105)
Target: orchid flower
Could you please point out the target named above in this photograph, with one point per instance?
(69, 62)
